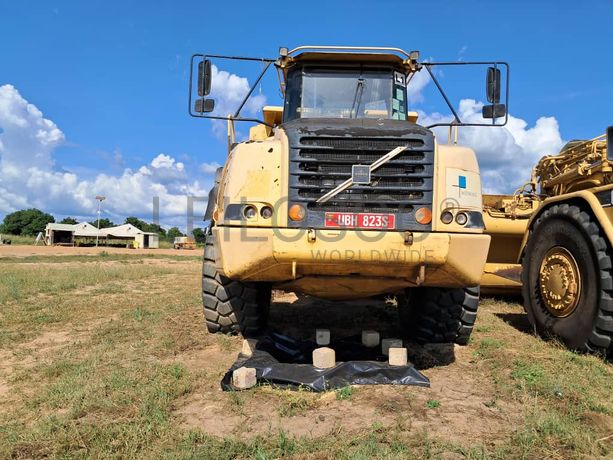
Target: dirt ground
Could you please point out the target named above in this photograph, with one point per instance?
(31, 250)
(117, 363)
(457, 384)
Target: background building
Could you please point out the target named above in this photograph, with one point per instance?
(84, 234)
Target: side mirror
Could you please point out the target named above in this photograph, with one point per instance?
(204, 78)
(204, 105)
(493, 85)
(492, 89)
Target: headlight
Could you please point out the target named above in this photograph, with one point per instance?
(446, 217)
(250, 211)
(266, 212)
(461, 218)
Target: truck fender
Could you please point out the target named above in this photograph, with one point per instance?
(212, 201)
(585, 199)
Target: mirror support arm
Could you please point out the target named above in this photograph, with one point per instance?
(255, 84)
(440, 88)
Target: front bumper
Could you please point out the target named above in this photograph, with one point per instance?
(366, 262)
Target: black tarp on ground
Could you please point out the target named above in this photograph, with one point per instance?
(284, 362)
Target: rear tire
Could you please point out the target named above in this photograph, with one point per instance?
(439, 315)
(566, 277)
(232, 306)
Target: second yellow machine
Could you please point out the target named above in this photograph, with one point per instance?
(341, 193)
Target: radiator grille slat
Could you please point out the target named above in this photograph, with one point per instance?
(360, 143)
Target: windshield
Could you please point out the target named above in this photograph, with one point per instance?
(337, 93)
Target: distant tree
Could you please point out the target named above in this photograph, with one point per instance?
(145, 227)
(104, 223)
(155, 228)
(199, 235)
(69, 221)
(140, 224)
(173, 232)
(26, 222)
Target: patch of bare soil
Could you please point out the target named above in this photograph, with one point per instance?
(30, 250)
(26, 355)
(49, 341)
(461, 406)
(10, 363)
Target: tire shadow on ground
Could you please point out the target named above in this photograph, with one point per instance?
(518, 321)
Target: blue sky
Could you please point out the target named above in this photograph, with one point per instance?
(112, 78)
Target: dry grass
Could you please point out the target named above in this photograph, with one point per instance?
(19, 239)
(107, 358)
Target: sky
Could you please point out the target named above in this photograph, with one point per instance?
(93, 95)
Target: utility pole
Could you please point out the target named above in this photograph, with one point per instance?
(100, 199)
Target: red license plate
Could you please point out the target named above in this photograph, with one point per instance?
(360, 220)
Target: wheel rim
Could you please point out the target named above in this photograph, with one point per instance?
(560, 282)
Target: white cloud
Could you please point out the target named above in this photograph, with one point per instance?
(415, 87)
(506, 154)
(209, 168)
(30, 178)
(462, 52)
(24, 129)
(229, 90)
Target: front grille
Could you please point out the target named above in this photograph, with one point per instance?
(319, 163)
(327, 162)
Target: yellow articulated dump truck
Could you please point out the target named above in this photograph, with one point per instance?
(551, 241)
(341, 194)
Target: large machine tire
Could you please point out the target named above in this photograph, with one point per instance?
(439, 315)
(566, 277)
(232, 306)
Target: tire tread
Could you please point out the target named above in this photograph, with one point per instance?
(601, 337)
(231, 306)
(440, 315)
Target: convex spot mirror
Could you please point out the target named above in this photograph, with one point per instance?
(204, 105)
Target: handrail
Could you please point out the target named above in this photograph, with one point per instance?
(348, 48)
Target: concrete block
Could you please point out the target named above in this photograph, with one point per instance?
(386, 344)
(243, 378)
(322, 337)
(397, 356)
(324, 357)
(370, 339)
(249, 347)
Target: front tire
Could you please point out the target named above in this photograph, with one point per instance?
(566, 277)
(439, 315)
(232, 306)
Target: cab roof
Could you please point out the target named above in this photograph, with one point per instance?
(345, 57)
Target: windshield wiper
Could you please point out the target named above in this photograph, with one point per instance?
(357, 97)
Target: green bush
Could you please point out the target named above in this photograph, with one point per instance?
(26, 222)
